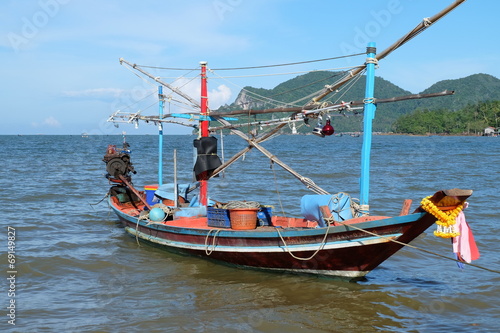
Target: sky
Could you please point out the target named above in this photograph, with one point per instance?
(60, 64)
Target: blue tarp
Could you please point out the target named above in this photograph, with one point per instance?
(339, 204)
(191, 212)
(166, 191)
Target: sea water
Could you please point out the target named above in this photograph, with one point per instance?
(75, 269)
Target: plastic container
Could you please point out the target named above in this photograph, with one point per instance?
(243, 218)
(151, 199)
(264, 215)
(218, 217)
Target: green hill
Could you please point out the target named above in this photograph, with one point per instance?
(472, 89)
(469, 90)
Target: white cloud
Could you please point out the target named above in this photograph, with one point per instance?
(47, 122)
(97, 93)
(219, 96)
(216, 97)
(51, 122)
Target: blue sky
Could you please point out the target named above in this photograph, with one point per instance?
(60, 58)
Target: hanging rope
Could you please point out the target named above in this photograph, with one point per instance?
(207, 251)
(330, 220)
(321, 246)
(142, 216)
(104, 198)
(277, 189)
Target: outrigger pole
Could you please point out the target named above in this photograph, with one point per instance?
(369, 103)
(426, 22)
(179, 92)
(330, 106)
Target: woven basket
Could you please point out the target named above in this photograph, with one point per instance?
(243, 218)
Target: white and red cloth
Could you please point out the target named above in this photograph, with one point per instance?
(464, 245)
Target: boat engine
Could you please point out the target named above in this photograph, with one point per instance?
(118, 163)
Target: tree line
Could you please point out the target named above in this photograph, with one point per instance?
(472, 119)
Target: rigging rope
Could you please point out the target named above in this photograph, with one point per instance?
(346, 88)
(254, 67)
(291, 63)
(252, 94)
(306, 85)
(290, 73)
(330, 220)
(306, 181)
(277, 189)
(346, 74)
(194, 103)
(427, 22)
(235, 157)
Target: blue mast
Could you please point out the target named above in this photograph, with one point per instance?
(369, 115)
(160, 137)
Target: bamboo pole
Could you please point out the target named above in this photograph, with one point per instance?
(341, 105)
(427, 22)
(309, 183)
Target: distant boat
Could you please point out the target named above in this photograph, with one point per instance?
(85, 135)
(335, 236)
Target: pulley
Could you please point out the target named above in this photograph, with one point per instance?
(318, 130)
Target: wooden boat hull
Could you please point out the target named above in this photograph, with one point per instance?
(341, 251)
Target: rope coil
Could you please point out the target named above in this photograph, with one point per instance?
(241, 204)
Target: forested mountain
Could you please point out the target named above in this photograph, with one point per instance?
(468, 91)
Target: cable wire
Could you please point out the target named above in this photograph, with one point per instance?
(255, 67)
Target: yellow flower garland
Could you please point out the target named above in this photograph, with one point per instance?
(445, 220)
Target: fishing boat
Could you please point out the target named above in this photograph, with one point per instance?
(335, 235)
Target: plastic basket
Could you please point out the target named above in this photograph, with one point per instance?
(218, 217)
(243, 218)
